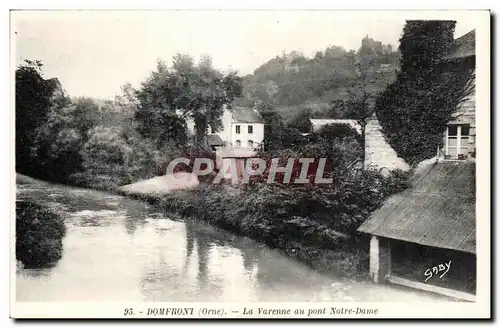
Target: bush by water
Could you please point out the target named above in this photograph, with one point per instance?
(39, 235)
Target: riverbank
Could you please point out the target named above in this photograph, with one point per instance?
(245, 213)
(161, 185)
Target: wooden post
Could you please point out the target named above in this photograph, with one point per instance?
(380, 259)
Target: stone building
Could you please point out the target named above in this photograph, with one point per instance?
(425, 237)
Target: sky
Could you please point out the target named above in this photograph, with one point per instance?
(93, 53)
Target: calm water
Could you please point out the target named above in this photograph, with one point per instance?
(118, 249)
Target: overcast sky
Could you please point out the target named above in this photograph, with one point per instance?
(93, 53)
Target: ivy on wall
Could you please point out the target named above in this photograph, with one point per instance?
(415, 109)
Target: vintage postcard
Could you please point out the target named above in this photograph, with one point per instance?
(250, 164)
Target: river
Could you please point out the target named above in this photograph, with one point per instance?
(119, 249)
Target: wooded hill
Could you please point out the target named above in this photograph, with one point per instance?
(292, 82)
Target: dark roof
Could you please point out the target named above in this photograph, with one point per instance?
(246, 115)
(213, 140)
(438, 210)
(465, 46)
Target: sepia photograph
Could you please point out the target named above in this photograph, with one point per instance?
(250, 164)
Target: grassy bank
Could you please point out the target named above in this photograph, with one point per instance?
(316, 224)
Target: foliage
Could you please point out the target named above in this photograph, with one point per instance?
(105, 155)
(335, 131)
(424, 44)
(198, 92)
(59, 140)
(302, 122)
(277, 136)
(33, 100)
(415, 109)
(39, 234)
(156, 113)
(359, 103)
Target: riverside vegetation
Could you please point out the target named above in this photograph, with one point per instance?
(106, 144)
(39, 234)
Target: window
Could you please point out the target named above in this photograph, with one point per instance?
(238, 143)
(238, 129)
(250, 129)
(212, 130)
(457, 140)
(250, 143)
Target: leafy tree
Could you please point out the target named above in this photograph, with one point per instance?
(33, 100)
(204, 93)
(156, 116)
(59, 140)
(105, 157)
(277, 136)
(39, 235)
(302, 122)
(415, 109)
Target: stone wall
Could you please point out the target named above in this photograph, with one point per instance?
(378, 152)
(466, 114)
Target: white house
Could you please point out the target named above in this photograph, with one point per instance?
(241, 134)
(246, 129)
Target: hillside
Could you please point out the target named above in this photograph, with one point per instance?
(292, 82)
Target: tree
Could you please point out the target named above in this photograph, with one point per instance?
(359, 104)
(415, 110)
(302, 121)
(198, 92)
(277, 136)
(59, 140)
(274, 126)
(204, 92)
(33, 100)
(423, 45)
(156, 115)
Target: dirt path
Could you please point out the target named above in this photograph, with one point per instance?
(161, 185)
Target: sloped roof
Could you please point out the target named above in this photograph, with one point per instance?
(246, 115)
(213, 140)
(438, 210)
(465, 46)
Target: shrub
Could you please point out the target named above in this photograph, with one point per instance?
(39, 234)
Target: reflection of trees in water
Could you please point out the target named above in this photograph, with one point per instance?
(197, 280)
(135, 218)
(161, 281)
(201, 243)
(132, 220)
(275, 272)
(250, 253)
